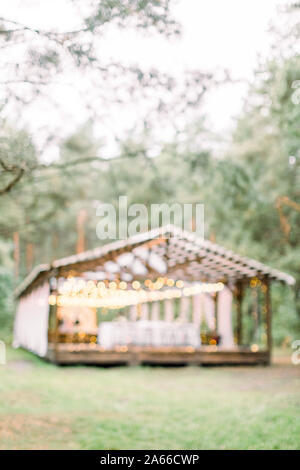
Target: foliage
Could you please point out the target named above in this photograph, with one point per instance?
(6, 304)
(39, 62)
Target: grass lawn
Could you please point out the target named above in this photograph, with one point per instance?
(48, 407)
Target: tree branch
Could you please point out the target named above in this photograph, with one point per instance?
(13, 182)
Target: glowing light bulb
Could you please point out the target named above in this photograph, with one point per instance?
(136, 285)
(179, 284)
(52, 300)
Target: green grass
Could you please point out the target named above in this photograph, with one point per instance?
(48, 407)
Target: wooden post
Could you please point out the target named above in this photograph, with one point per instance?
(53, 291)
(216, 301)
(254, 293)
(269, 317)
(56, 335)
(239, 328)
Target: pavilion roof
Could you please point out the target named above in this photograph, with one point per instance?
(159, 251)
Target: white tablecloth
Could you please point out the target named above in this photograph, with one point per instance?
(148, 333)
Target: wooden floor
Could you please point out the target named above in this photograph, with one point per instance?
(206, 355)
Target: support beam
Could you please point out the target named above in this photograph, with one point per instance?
(268, 316)
(52, 312)
(216, 301)
(56, 334)
(239, 298)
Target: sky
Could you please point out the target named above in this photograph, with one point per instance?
(217, 34)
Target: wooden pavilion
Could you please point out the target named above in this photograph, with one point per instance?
(160, 297)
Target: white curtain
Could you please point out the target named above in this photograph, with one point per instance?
(184, 308)
(155, 311)
(197, 309)
(144, 311)
(133, 312)
(225, 318)
(209, 311)
(169, 310)
(31, 322)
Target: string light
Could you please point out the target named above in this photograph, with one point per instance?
(255, 282)
(116, 296)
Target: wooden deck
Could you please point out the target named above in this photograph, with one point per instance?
(206, 355)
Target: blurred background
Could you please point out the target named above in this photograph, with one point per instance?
(161, 101)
